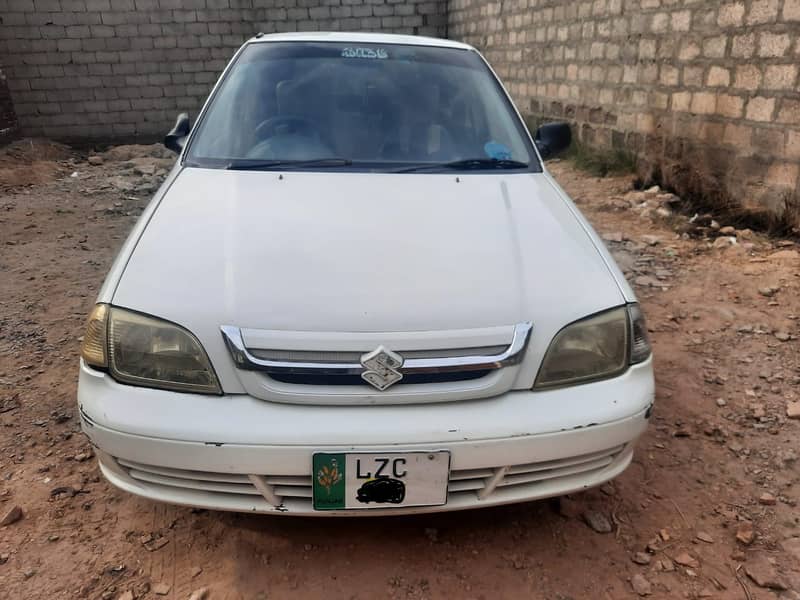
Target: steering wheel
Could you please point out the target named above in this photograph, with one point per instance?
(290, 124)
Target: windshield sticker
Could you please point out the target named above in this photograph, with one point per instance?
(497, 151)
(364, 53)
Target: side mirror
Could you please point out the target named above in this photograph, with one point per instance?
(552, 139)
(176, 138)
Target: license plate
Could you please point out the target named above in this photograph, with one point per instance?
(380, 480)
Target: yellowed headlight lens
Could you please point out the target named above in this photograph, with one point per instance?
(150, 352)
(587, 350)
(93, 347)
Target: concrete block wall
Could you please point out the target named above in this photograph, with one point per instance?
(123, 69)
(706, 92)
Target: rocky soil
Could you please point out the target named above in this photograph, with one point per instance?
(707, 510)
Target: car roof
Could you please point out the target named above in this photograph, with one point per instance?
(364, 38)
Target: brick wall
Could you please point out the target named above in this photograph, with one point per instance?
(125, 68)
(705, 91)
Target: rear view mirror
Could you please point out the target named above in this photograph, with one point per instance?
(552, 139)
(176, 138)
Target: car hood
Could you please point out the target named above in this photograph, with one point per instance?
(360, 252)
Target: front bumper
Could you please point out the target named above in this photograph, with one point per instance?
(242, 454)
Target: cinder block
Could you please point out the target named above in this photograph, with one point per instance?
(222, 28)
(38, 83)
(718, 76)
(51, 71)
(100, 69)
(783, 174)
(181, 78)
(131, 56)
(72, 69)
(773, 44)
(681, 20)
(737, 135)
(319, 12)
(53, 32)
(188, 42)
(780, 77)
(215, 66)
(147, 5)
(789, 111)
(102, 31)
(198, 90)
(164, 103)
(730, 106)
(96, 106)
(703, 103)
(165, 42)
(73, 6)
(184, 16)
(77, 31)
(160, 79)
(404, 10)
(90, 44)
(123, 68)
(681, 101)
(731, 14)
(714, 47)
(21, 74)
(127, 30)
(20, 6)
(391, 22)
(113, 18)
(791, 10)
(148, 29)
(197, 29)
(762, 11)
(210, 41)
(338, 12)
(68, 45)
(748, 77)
(743, 46)
(123, 129)
(11, 19)
(82, 57)
(793, 144)
(107, 57)
(760, 108)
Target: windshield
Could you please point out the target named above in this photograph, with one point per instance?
(323, 105)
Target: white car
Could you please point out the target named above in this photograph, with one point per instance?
(359, 292)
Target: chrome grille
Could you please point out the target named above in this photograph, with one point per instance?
(355, 357)
(313, 367)
(353, 379)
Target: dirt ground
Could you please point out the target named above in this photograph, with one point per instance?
(707, 510)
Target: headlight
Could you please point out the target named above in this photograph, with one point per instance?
(145, 351)
(598, 347)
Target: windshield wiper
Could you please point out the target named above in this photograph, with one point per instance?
(468, 164)
(256, 165)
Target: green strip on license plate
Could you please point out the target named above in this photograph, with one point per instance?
(328, 481)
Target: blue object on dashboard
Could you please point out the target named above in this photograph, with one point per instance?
(497, 150)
